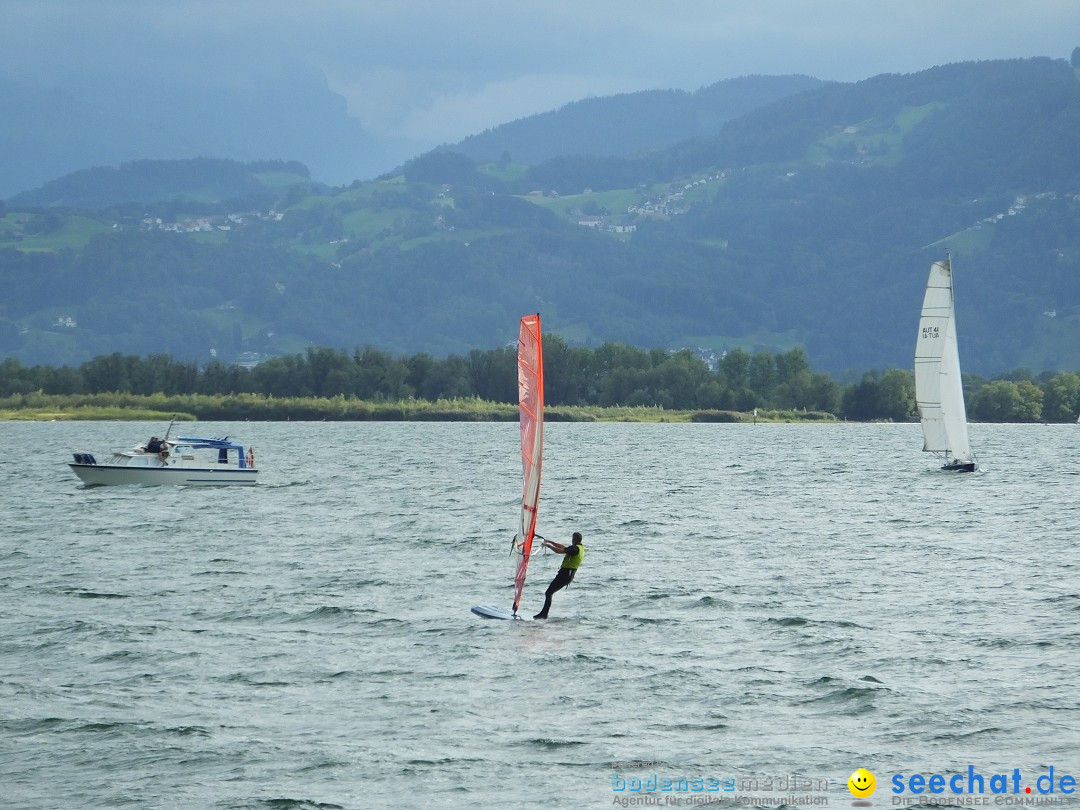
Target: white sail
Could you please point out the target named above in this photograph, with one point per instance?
(939, 393)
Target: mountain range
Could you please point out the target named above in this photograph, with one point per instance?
(763, 213)
(49, 131)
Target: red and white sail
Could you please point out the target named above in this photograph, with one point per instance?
(531, 418)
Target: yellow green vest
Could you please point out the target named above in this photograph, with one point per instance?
(572, 561)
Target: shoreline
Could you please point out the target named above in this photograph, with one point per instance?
(252, 407)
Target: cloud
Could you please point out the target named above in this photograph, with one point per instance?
(422, 70)
(409, 105)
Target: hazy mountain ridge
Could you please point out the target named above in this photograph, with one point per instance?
(811, 220)
(51, 131)
(152, 181)
(629, 124)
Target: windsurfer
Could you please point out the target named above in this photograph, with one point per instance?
(572, 558)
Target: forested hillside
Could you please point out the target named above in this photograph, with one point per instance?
(811, 222)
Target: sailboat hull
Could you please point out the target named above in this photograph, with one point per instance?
(960, 466)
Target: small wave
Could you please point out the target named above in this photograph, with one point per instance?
(802, 621)
(389, 674)
(998, 643)
(288, 484)
(646, 620)
(333, 676)
(591, 659)
(244, 616)
(250, 680)
(389, 621)
(324, 612)
(188, 731)
(699, 727)
(758, 669)
(32, 726)
(849, 694)
(553, 743)
(760, 682)
(323, 765)
(222, 572)
(450, 676)
(1071, 599)
(107, 728)
(81, 594)
(119, 655)
(300, 804)
(428, 763)
(967, 734)
(712, 601)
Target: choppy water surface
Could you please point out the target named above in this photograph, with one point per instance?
(756, 601)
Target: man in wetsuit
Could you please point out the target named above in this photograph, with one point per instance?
(572, 557)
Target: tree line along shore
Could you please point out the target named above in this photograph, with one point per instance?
(613, 382)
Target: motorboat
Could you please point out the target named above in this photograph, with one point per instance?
(186, 461)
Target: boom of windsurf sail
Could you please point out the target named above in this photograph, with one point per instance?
(531, 419)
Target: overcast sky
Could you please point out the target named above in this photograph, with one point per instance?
(438, 70)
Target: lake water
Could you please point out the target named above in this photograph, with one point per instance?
(757, 601)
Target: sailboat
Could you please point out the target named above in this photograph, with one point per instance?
(939, 393)
(531, 423)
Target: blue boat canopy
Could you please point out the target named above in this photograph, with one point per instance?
(216, 444)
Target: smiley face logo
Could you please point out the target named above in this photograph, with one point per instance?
(861, 783)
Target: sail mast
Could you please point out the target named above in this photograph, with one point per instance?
(531, 422)
(952, 387)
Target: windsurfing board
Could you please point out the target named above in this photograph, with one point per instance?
(497, 612)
